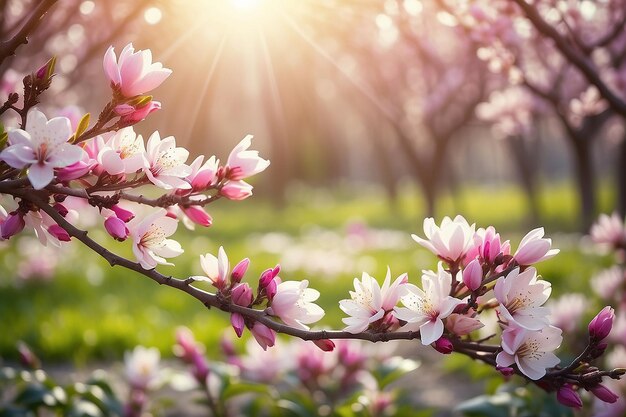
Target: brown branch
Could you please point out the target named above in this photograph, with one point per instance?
(8, 47)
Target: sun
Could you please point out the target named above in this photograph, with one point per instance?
(247, 5)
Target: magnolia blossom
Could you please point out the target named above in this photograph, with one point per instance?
(609, 230)
(150, 243)
(42, 147)
(215, 268)
(293, 304)
(142, 366)
(369, 302)
(607, 283)
(243, 163)
(134, 73)
(451, 241)
(487, 246)
(202, 175)
(530, 350)
(534, 248)
(236, 190)
(521, 296)
(426, 308)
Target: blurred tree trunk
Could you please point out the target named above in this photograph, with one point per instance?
(526, 170)
(620, 171)
(585, 177)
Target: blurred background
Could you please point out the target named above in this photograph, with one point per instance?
(374, 114)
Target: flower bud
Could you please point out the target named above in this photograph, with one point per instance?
(326, 345)
(198, 215)
(61, 209)
(71, 172)
(130, 115)
(473, 275)
(505, 370)
(242, 295)
(268, 275)
(264, 336)
(604, 394)
(597, 350)
(443, 345)
(236, 320)
(13, 224)
(116, 228)
(46, 71)
(239, 270)
(601, 325)
(567, 396)
(123, 214)
(270, 290)
(26, 356)
(59, 232)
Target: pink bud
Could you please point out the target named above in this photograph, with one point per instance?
(473, 275)
(61, 209)
(116, 228)
(604, 394)
(601, 325)
(131, 115)
(123, 109)
(505, 370)
(270, 290)
(27, 357)
(236, 320)
(242, 295)
(123, 214)
(264, 336)
(326, 345)
(239, 270)
(198, 215)
(443, 345)
(59, 232)
(74, 171)
(13, 224)
(46, 71)
(569, 397)
(203, 180)
(236, 190)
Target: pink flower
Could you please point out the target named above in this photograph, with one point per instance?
(192, 353)
(236, 190)
(42, 147)
(264, 336)
(131, 115)
(150, 243)
(609, 230)
(238, 323)
(293, 304)
(425, 309)
(166, 163)
(12, 225)
(202, 176)
(142, 366)
(462, 325)
(600, 326)
(242, 295)
(534, 248)
(521, 296)
(451, 241)
(443, 345)
(116, 228)
(473, 275)
(240, 270)
(567, 396)
(369, 302)
(487, 246)
(243, 163)
(530, 350)
(604, 394)
(198, 215)
(608, 282)
(325, 345)
(134, 73)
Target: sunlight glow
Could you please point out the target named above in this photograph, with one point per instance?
(152, 15)
(247, 5)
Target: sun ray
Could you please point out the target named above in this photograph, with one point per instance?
(358, 84)
(203, 91)
(277, 102)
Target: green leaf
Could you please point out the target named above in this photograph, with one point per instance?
(394, 369)
(33, 394)
(82, 125)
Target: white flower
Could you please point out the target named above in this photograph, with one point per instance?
(124, 152)
(42, 147)
(166, 163)
(215, 268)
(451, 241)
(243, 163)
(142, 366)
(369, 302)
(530, 350)
(521, 296)
(534, 248)
(150, 243)
(293, 304)
(425, 308)
(609, 230)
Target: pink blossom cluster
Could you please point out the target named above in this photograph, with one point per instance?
(101, 165)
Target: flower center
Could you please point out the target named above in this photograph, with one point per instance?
(154, 237)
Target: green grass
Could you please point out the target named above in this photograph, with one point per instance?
(90, 310)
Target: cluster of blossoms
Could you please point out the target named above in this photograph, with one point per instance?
(68, 167)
